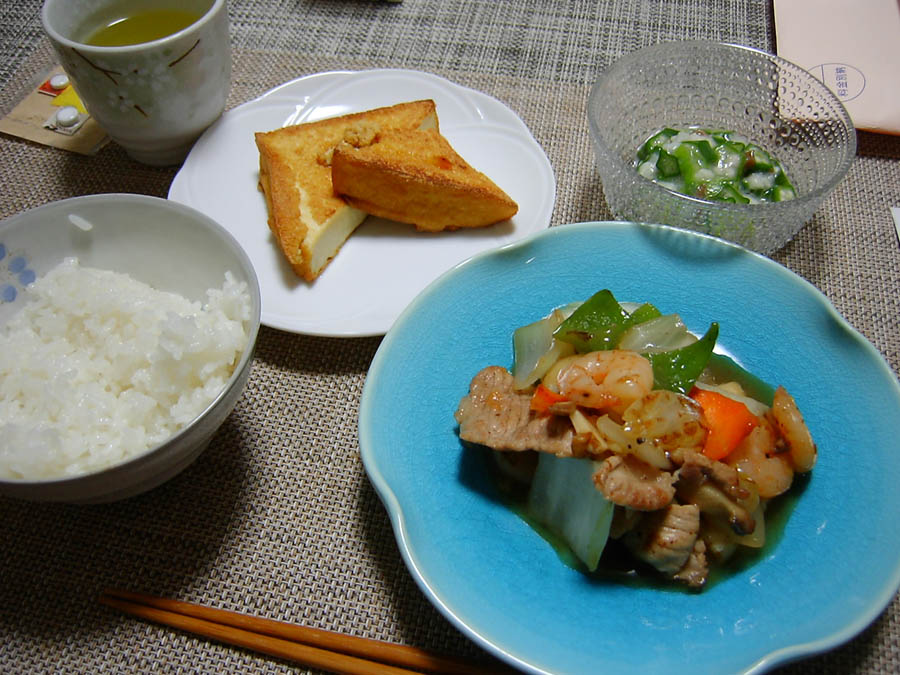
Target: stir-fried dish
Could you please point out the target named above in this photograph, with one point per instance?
(715, 165)
(617, 423)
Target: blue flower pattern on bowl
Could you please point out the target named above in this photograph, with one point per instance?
(15, 274)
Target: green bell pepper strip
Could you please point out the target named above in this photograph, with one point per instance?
(678, 369)
(641, 314)
(599, 323)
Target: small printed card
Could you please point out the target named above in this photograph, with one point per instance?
(853, 47)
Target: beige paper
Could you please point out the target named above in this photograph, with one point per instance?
(853, 46)
(28, 118)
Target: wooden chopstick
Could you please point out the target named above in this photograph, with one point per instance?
(311, 646)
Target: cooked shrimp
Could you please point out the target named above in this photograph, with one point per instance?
(758, 459)
(606, 380)
(793, 431)
(667, 420)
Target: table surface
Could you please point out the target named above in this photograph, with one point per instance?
(278, 517)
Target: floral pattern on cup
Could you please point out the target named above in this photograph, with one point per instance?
(137, 81)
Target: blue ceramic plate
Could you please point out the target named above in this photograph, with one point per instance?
(838, 562)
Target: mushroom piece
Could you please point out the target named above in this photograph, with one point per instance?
(693, 488)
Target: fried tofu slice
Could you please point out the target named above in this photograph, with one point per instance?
(415, 176)
(308, 219)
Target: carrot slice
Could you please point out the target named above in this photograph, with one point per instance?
(543, 398)
(729, 422)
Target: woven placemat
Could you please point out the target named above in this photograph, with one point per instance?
(277, 518)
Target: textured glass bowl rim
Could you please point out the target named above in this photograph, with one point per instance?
(803, 199)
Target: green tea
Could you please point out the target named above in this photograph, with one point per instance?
(141, 26)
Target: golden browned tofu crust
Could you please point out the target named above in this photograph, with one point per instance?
(415, 176)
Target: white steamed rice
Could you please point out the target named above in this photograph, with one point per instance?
(97, 367)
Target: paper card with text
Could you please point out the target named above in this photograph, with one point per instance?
(853, 47)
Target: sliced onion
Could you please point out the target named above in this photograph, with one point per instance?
(535, 349)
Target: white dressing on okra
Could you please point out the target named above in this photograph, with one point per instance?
(715, 165)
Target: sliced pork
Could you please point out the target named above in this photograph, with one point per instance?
(695, 571)
(495, 415)
(628, 481)
(665, 539)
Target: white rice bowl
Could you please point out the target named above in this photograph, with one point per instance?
(98, 367)
(117, 371)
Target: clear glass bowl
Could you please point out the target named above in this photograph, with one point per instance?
(774, 103)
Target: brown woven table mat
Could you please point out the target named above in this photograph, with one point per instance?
(277, 517)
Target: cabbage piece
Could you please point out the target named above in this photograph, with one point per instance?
(563, 499)
(722, 368)
(657, 335)
(756, 407)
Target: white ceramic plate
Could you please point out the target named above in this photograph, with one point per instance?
(384, 264)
